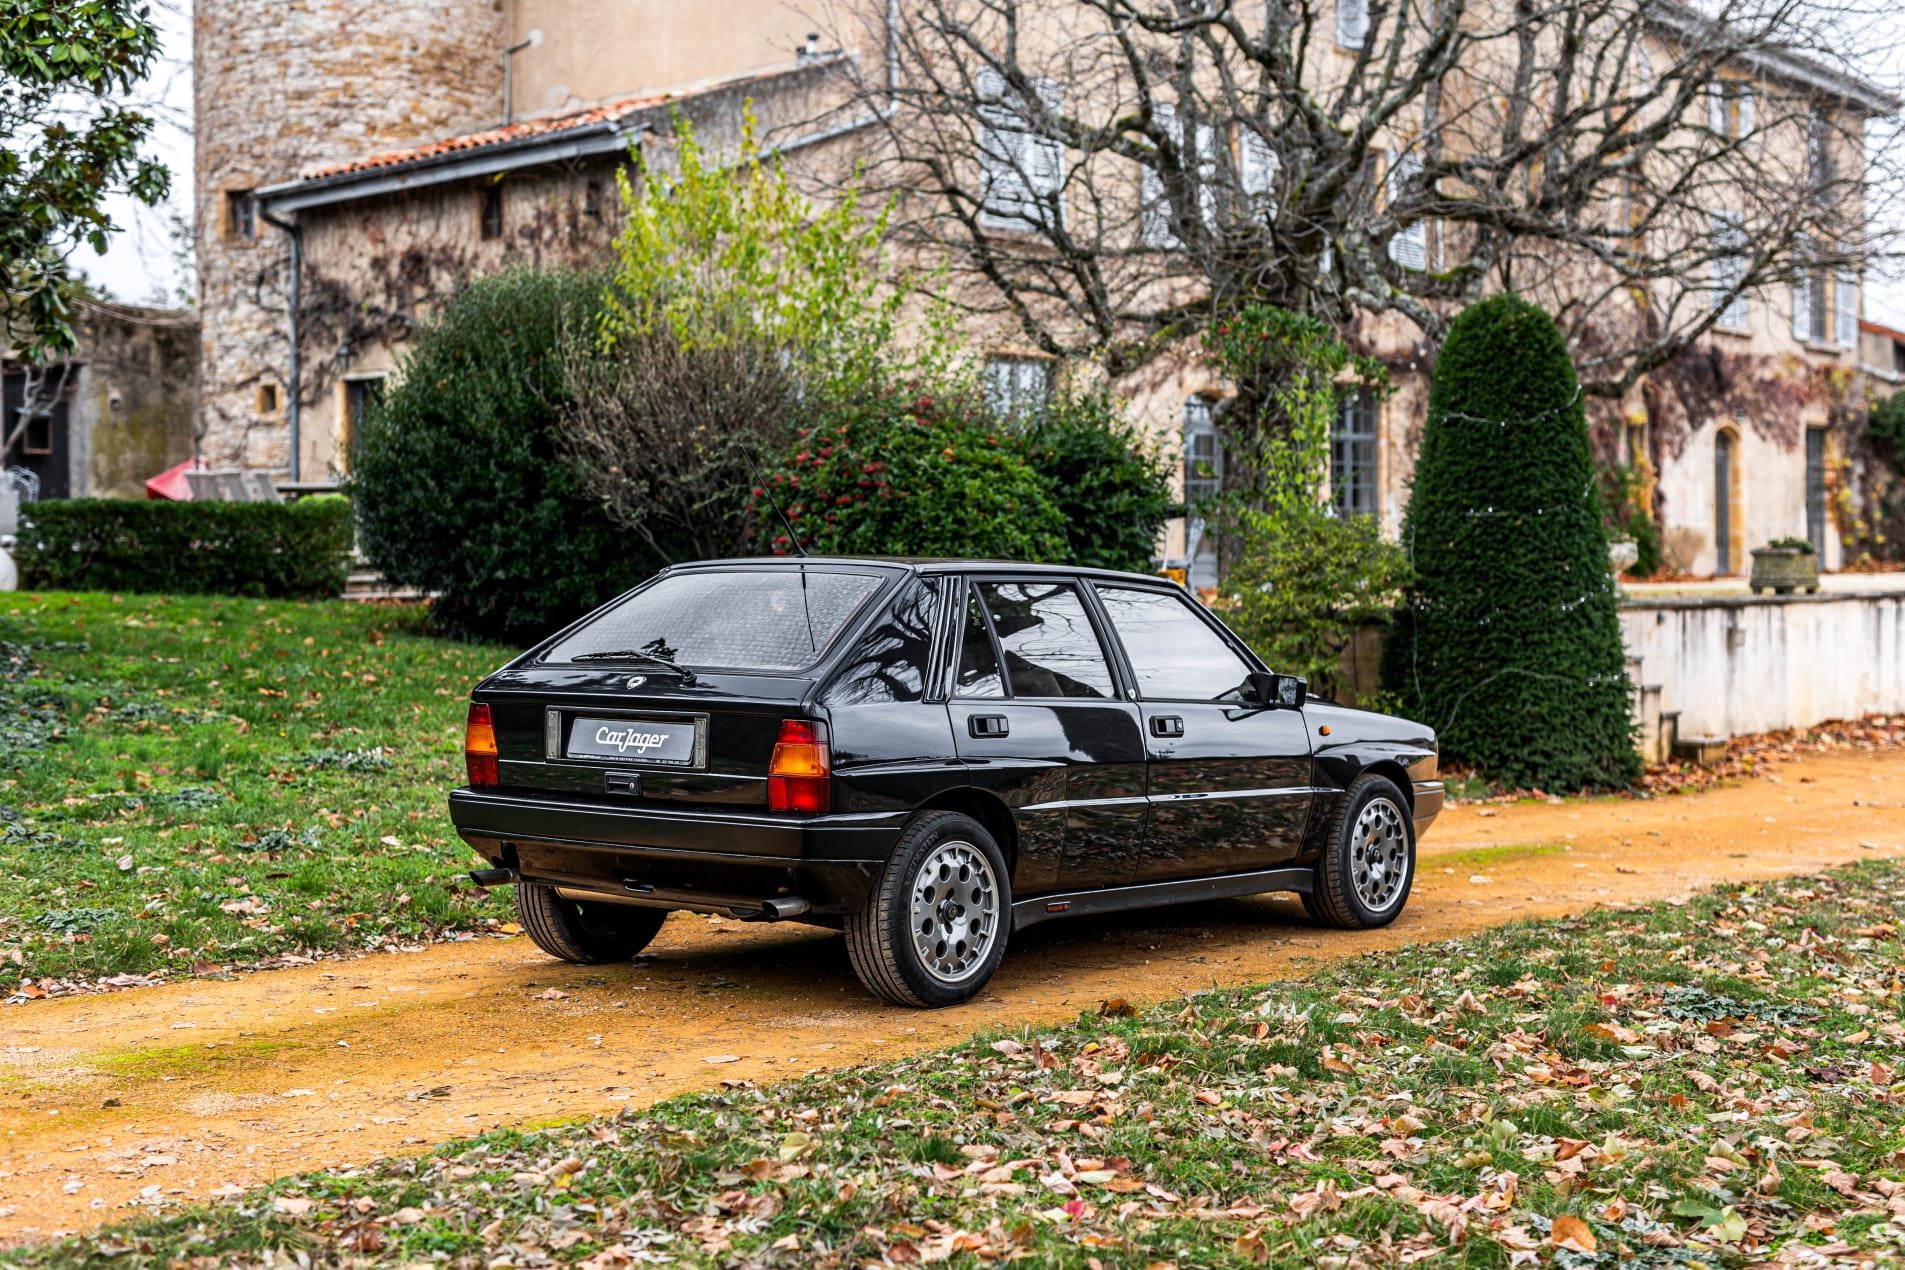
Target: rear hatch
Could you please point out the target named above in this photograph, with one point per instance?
(675, 694)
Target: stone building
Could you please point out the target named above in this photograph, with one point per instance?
(359, 161)
(120, 408)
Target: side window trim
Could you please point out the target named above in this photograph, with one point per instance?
(1122, 672)
(1242, 650)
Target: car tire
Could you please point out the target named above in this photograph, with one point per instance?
(1369, 858)
(582, 931)
(934, 927)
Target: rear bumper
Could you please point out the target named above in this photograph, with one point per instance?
(700, 858)
(1429, 796)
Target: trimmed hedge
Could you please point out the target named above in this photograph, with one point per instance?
(300, 549)
(1510, 644)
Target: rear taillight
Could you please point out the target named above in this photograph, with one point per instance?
(798, 773)
(479, 747)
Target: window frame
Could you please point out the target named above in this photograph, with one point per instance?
(1013, 405)
(1363, 402)
(1129, 671)
(490, 193)
(1123, 688)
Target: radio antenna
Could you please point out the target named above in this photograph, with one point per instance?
(767, 491)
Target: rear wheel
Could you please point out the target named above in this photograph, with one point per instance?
(584, 931)
(1369, 858)
(934, 928)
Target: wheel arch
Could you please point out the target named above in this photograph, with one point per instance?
(989, 810)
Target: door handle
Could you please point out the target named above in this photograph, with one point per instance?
(988, 725)
(1167, 725)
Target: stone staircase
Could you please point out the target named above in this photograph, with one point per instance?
(1658, 730)
(365, 583)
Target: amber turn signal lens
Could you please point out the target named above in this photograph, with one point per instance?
(479, 747)
(799, 773)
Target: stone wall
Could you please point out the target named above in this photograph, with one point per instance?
(282, 86)
(1738, 664)
(135, 406)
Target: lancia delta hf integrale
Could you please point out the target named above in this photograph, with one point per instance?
(928, 755)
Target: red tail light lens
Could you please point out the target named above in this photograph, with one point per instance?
(799, 775)
(479, 747)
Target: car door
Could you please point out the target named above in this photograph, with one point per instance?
(1229, 778)
(1038, 717)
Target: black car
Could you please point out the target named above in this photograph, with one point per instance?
(931, 755)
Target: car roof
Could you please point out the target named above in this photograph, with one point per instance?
(930, 564)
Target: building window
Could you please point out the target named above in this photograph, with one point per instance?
(1410, 245)
(267, 399)
(1816, 489)
(361, 396)
(1724, 512)
(37, 438)
(241, 215)
(1730, 108)
(1353, 455)
(490, 214)
(1203, 479)
(1727, 247)
(1021, 171)
(592, 200)
(1017, 387)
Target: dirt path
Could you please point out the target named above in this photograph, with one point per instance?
(171, 1093)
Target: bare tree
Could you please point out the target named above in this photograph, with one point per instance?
(1110, 174)
(668, 435)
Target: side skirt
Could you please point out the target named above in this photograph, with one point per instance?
(1116, 899)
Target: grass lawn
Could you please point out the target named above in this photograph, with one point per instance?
(1711, 1084)
(196, 783)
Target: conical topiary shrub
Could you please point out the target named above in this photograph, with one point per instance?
(1510, 642)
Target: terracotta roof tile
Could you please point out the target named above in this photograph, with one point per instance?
(547, 126)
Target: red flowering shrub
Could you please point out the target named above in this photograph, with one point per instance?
(893, 470)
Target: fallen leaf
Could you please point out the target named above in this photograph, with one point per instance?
(1572, 1233)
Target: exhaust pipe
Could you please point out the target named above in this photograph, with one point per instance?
(493, 877)
(774, 910)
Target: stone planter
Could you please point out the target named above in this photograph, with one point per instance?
(1621, 554)
(1784, 570)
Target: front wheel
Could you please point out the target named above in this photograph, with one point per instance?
(934, 928)
(1369, 858)
(587, 932)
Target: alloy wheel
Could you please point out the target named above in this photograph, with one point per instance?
(955, 911)
(1379, 855)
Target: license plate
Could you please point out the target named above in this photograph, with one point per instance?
(661, 742)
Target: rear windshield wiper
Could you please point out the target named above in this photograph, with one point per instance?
(636, 654)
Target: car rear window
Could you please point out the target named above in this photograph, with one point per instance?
(726, 619)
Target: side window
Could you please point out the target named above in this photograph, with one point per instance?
(978, 662)
(1174, 653)
(890, 662)
(1049, 646)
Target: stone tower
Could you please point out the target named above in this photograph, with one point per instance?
(283, 86)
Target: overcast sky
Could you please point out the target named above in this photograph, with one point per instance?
(143, 265)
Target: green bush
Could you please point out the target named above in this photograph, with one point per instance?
(1112, 485)
(898, 470)
(1304, 582)
(1628, 511)
(187, 548)
(1510, 643)
(457, 482)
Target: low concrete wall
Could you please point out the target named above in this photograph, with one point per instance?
(1738, 664)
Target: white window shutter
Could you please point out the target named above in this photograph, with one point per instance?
(1410, 247)
(1746, 110)
(1802, 308)
(1154, 211)
(1729, 267)
(1257, 166)
(1018, 165)
(1716, 108)
(1206, 169)
(1352, 23)
(1845, 308)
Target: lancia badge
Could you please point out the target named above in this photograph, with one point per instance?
(636, 681)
